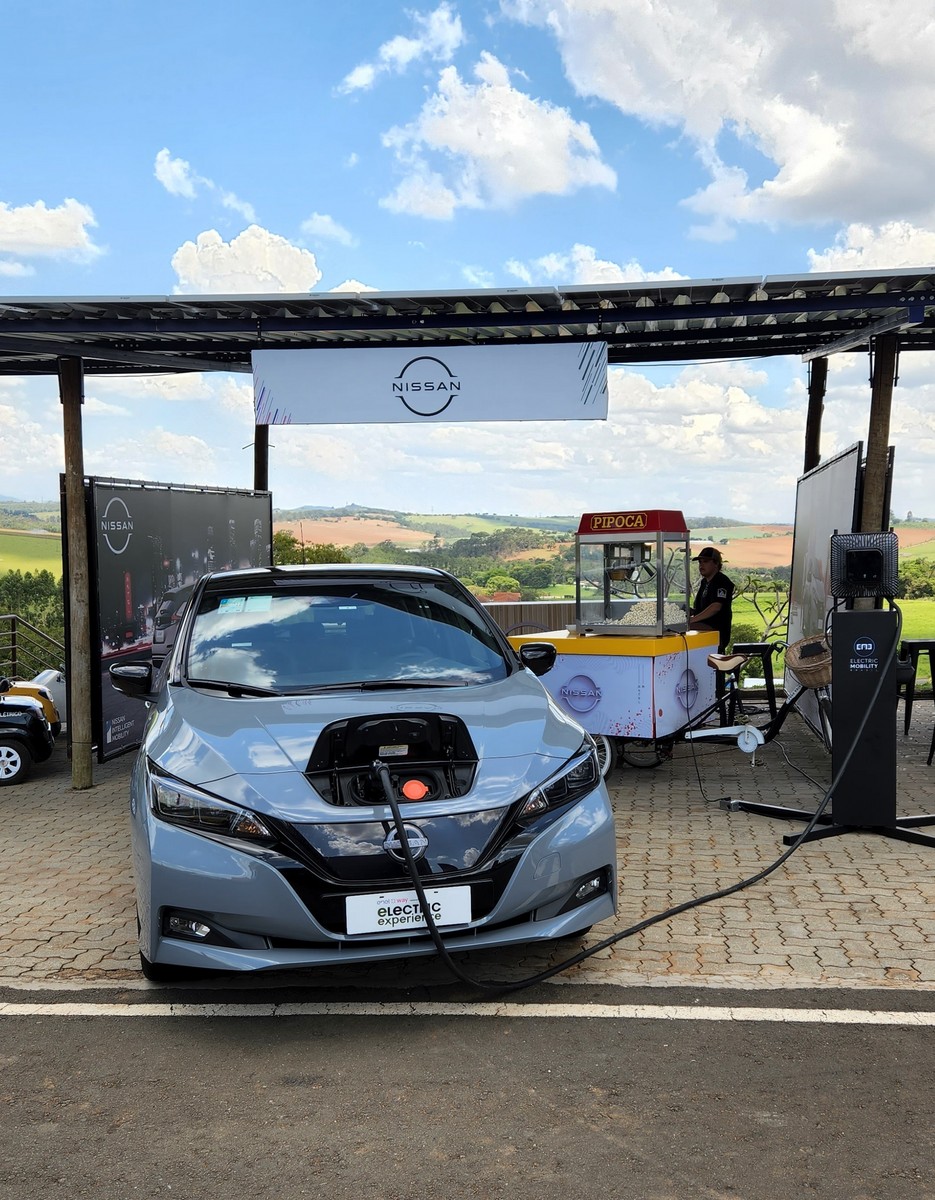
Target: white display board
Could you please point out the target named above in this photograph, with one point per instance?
(389, 384)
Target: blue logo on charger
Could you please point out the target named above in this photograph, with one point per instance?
(864, 647)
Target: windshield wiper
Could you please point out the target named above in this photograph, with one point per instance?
(374, 685)
(233, 689)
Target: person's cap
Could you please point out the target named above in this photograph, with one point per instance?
(708, 552)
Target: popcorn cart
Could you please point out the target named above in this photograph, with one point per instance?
(629, 669)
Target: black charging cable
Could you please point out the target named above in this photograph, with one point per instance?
(381, 770)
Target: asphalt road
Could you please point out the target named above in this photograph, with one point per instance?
(104, 1102)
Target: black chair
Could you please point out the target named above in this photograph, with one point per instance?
(910, 650)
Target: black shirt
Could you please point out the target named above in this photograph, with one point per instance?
(717, 589)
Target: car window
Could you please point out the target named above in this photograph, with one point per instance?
(298, 637)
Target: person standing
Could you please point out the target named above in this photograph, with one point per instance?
(711, 609)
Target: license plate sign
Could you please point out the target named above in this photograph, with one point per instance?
(389, 912)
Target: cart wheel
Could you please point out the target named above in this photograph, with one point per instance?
(15, 761)
(642, 753)
(606, 753)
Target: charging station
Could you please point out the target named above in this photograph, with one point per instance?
(863, 669)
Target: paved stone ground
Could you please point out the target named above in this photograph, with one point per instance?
(851, 911)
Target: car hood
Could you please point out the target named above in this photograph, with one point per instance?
(254, 751)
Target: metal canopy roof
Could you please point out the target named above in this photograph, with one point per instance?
(810, 315)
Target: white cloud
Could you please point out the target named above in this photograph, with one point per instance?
(93, 407)
(255, 262)
(16, 270)
(321, 227)
(157, 389)
(178, 178)
(423, 193)
(37, 231)
(580, 265)
(497, 146)
(478, 277)
(188, 458)
(353, 285)
(438, 36)
(836, 97)
(866, 248)
(27, 448)
(235, 204)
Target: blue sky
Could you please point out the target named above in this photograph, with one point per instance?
(234, 147)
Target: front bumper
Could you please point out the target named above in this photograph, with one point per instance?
(259, 921)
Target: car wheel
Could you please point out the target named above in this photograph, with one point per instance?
(639, 753)
(166, 973)
(15, 761)
(606, 753)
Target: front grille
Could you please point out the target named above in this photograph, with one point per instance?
(328, 908)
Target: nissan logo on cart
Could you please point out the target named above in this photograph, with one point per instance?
(580, 693)
(116, 525)
(418, 843)
(687, 689)
(426, 386)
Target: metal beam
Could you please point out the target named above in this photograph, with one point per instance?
(913, 315)
(41, 348)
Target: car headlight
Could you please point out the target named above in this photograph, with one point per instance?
(181, 804)
(580, 775)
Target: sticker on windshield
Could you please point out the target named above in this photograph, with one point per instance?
(238, 604)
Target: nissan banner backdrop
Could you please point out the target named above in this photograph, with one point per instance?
(149, 543)
(387, 385)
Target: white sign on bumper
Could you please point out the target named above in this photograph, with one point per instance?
(386, 912)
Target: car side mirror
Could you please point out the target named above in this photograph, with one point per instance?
(133, 679)
(538, 657)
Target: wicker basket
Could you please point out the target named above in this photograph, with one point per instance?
(813, 668)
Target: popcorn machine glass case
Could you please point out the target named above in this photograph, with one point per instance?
(632, 573)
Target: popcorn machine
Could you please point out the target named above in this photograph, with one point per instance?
(632, 573)
(629, 669)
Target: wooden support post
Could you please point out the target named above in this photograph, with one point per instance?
(817, 381)
(261, 458)
(71, 394)
(873, 515)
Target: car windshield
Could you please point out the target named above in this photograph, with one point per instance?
(309, 635)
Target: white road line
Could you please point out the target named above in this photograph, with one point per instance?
(617, 1012)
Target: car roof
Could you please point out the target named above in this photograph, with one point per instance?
(322, 571)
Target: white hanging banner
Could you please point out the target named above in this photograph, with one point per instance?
(564, 381)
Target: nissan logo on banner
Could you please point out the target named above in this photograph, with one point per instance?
(116, 525)
(426, 386)
(350, 385)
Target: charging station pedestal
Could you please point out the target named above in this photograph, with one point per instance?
(862, 646)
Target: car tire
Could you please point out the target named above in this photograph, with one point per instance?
(166, 973)
(15, 761)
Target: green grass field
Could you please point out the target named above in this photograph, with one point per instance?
(30, 552)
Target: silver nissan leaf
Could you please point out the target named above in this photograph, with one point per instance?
(294, 698)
